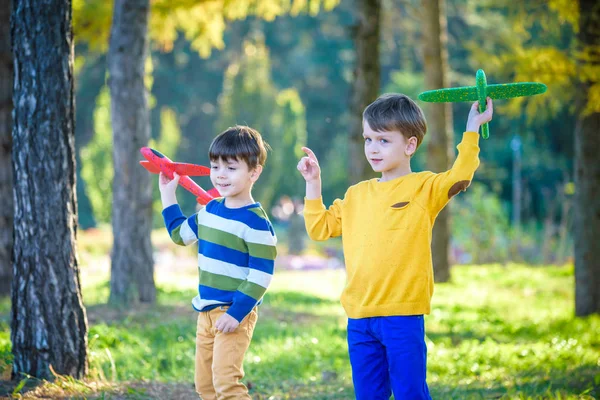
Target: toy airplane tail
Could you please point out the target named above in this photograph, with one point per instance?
(205, 197)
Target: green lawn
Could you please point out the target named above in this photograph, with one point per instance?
(495, 332)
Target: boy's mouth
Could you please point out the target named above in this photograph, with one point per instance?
(223, 185)
(376, 160)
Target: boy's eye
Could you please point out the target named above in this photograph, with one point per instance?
(214, 166)
(231, 168)
(367, 139)
(384, 141)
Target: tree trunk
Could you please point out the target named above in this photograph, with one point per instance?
(365, 87)
(132, 275)
(49, 324)
(440, 148)
(587, 177)
(6, 181)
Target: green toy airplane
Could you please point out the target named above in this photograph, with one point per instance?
(480, 92)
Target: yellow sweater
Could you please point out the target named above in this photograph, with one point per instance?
(386, 233)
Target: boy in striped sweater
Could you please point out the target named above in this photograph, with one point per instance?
(236, 254)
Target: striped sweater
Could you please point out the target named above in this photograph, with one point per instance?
(236, 253)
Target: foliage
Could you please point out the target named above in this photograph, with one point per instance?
(250, 98)
(480, 227)
(201, 22)
(96, 160)
(537, 42)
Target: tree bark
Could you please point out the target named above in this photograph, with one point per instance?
(49, 324)
(440, 148)
(6, 178)
(365, 87)
(132, 274)
(587, 177)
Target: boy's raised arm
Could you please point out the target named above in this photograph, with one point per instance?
(321, 223)
(311, 172)
(446, 185)
(183, 231)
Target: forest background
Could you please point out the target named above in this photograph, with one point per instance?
(290, 78)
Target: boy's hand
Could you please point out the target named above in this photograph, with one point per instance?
(226, 323)
(166, 185)
(309, 166)
(476, 119)
(167, 189)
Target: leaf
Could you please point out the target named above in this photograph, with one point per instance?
(20, 386)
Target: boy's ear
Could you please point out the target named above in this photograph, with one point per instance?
(255, 173)
(411, 146)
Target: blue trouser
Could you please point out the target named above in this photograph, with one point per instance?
(388, 354)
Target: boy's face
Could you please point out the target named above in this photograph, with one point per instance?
(232, 178)
(387, 151)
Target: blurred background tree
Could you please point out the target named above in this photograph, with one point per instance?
(440, 152)
(587, 174)
(365, 82)
(132, 264)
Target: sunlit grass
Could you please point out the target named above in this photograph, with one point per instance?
(494, 332)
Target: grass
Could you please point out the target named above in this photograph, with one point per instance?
(494, 332)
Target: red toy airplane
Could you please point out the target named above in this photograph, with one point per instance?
(158, 162)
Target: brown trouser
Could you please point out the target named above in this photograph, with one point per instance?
(220, 356)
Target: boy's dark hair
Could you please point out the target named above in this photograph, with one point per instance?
(240, 143)
(396, 112)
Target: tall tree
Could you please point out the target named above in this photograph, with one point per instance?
(6, 182)
(132, 274)
(48, 324)
(365, 86)
(587, 169)
(439, 120)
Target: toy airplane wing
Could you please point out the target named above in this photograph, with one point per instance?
(150, 167)
(510, 90)
(497, 91)
(191, 169)
(466, 93)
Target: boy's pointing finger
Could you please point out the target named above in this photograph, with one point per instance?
(309, 153)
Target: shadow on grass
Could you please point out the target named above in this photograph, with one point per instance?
(489, 325)
(71, 389)
(172, 305)
(581, 381)
(22, 386)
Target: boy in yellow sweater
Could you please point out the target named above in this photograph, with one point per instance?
(386, 224)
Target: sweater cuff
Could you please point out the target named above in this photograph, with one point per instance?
(313, 204)
(471, 137)
(172, 212)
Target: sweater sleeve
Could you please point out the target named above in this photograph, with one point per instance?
(322, 223)
(262, 251)
(440, 188)
(183, 231)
